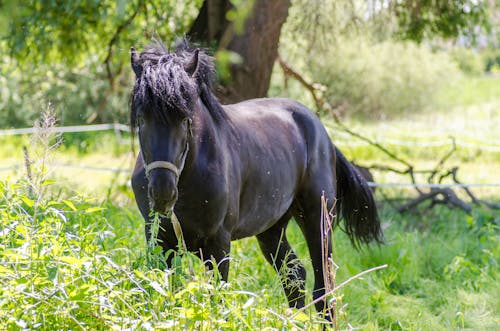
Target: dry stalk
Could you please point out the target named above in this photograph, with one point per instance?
(27, 163)
(344, 283)
(329, 266)
(43, 141)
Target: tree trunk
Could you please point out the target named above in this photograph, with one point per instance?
(257, 45)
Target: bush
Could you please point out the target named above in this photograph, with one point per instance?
(382, 79)
(75, 94)
(468, 60)
(365, 72)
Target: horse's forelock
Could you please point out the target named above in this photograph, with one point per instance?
(164, 83)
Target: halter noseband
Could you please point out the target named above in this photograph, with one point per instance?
(162, 164)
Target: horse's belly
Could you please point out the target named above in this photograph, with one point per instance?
(260, 213)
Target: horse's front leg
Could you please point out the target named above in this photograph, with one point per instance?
(216, 251)
(163, 235)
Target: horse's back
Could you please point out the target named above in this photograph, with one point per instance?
(280, 123)
(265, 107)
(274, 113)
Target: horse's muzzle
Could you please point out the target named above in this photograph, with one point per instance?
(162, 190)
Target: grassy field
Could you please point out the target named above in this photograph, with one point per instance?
(73, 254)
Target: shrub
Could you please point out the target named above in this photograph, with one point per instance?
(76, 94)
(468, 60)
(382, 79)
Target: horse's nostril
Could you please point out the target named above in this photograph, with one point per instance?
(162, 198)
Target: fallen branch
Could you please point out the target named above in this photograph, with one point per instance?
(448, 195)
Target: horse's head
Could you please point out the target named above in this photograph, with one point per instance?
(162, 107)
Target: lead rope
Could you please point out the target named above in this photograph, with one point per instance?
(178, 230)
(180, 238)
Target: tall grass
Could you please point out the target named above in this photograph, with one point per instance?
(70, 262)
(65, 266)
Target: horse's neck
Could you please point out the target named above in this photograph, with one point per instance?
(209, 133)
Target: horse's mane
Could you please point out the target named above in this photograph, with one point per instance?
(164, 84)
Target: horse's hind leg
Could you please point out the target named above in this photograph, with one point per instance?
(277, 251)
(308, 217)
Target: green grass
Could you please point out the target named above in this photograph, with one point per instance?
(472, 91)
(69, 262)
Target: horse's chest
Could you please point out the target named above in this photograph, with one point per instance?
(203, 214)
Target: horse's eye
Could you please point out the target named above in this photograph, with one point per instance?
(140, 120)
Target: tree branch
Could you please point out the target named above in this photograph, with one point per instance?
(107, 62)
(114, 39)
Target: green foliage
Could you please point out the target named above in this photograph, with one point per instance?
(75, 94)
(353, 50)
(75, 56)
(72, 32)
(70, 262)
(468, 60)
(65, 266)
(371, 80)
(415, 20)
(81, 62)
(239, 12)
(418, 20)
(379, 79)
(442, 276)
(471, 91)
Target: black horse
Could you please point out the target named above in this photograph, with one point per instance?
(240, 170)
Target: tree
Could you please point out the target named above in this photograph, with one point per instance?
(252, 31)
(418, 19)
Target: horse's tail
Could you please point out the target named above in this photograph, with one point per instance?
(356, 204)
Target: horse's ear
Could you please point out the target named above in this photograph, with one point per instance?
(192, 65)
(135, 62)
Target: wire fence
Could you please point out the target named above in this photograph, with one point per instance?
(68, 129)
(125, 128)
